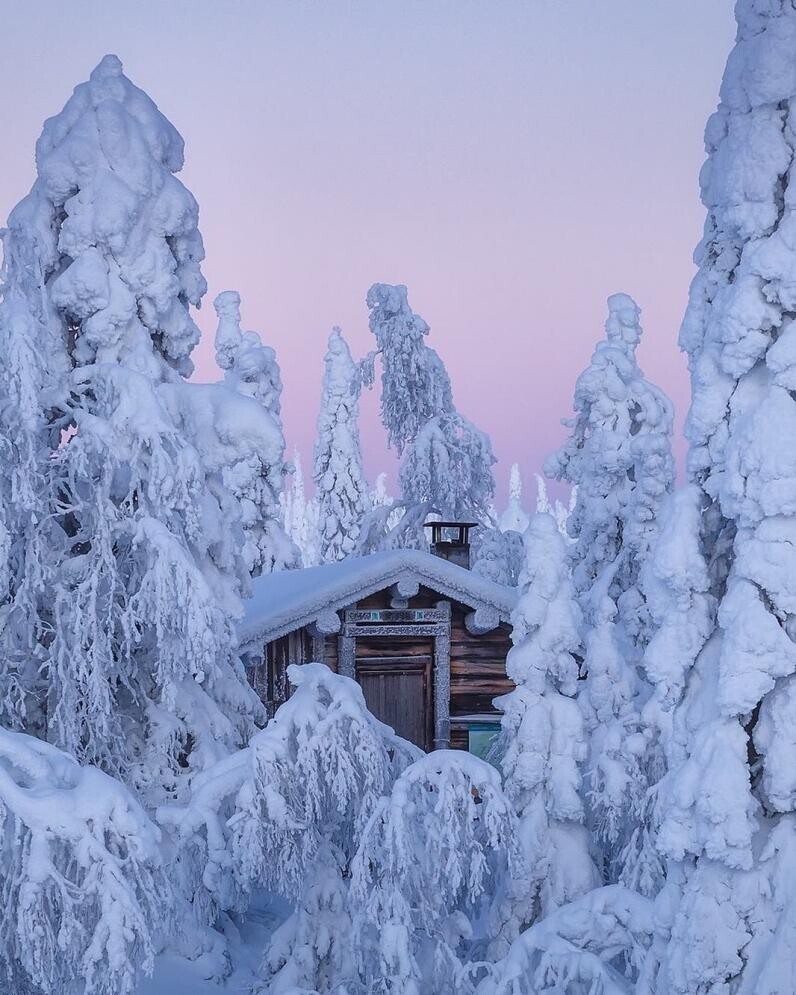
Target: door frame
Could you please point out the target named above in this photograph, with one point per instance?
(434, 622)
(406, 665)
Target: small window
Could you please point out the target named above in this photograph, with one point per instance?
(480, 736)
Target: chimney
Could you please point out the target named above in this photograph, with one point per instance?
(451, 541)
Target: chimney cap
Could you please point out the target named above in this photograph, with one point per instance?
(451, 525)
(450, 534)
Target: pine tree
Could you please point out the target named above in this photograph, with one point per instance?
(436, 851)
(341, 488)
(387, 856)
(543, 739)
(82, 880)
(134, 639)
(415, 386)
(515, 518)
(729, 800)
(257, 479)
(287, 814)
(446, 461)
(619, 458)
(300, 515)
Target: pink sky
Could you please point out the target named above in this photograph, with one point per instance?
(513, 162)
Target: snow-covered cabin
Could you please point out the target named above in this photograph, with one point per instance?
(425, 638)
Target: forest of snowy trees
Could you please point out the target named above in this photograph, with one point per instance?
(633, 831)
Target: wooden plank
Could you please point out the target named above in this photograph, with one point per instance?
(393, 647)
(477, 662)
(396, 616)
(399, 694)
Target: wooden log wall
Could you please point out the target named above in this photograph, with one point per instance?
(478, 663)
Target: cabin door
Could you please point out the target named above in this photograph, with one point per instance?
(396, 680)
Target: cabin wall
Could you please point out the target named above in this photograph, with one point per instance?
(478, 662)
(268, 675)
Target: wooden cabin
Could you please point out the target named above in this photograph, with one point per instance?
(425, 637)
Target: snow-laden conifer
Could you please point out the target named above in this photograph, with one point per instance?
(729, 801)
(287, 813)
(300, 515)
(432, 858)
(448, 467)
(415, 386)
(257, 477)
(340, 485)
(560, 511)
(84, 895)
(102, 266)
(391, 858)
(543, 739)
(446, 461)
(497, 555)
(515, 517)
(619, 458)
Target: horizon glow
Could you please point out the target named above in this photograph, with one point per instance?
(513, 163)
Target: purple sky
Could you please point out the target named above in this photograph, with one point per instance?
(513, 162)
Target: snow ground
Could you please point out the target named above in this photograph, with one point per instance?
(176, 975)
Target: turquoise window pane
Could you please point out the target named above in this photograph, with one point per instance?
(479, 739)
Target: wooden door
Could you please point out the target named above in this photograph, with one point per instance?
(397, 684)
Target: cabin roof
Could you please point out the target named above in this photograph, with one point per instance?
(285, 601)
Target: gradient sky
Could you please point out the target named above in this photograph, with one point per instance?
(513, 162)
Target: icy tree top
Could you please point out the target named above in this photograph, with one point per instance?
(111, 230)
(622, 326)
(228, 334)
(515, 482)
(514, 518)
(415, 384)
(250, 367)
(390, 304)
(342, 492)
(341, 373)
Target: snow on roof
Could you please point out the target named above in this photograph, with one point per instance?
(288, 600)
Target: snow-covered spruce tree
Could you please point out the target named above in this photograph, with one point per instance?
(433, 856)
(543, 741)
(446, 461)
(515, 518)
(560, 511)
(103, 261)
(498, 556)
(729, 802)
(390, 857)
(84, 895)
(287, 813)
(619, 458)
(257, 480)
(300, 515)
(415, 385)
(379, 494)
(340, 485)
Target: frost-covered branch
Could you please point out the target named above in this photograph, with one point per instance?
(596, 945)
(84, 895)
(433, 856)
